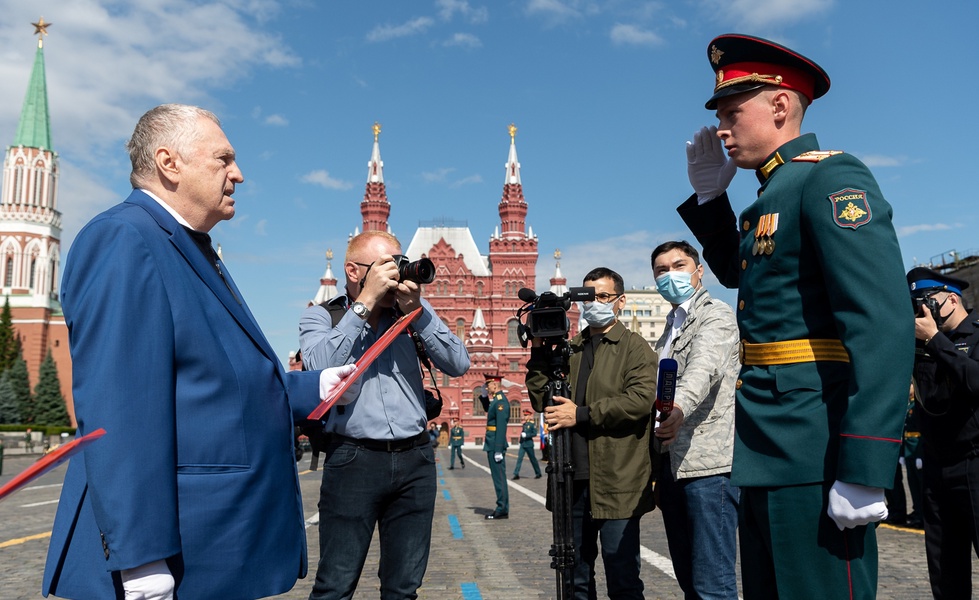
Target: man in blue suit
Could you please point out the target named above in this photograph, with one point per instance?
(193, 490)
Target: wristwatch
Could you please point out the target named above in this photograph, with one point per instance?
(360, 309)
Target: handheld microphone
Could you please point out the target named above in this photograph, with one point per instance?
(666, 385)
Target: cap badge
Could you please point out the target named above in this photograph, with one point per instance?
(715, 54)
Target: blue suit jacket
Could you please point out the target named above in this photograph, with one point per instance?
(197, 462)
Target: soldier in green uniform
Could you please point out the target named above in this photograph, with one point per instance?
(826, 335)
(527, 445)
(457, 436)
(911, 453)
(497, 409)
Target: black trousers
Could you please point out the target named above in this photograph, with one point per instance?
(951, 516)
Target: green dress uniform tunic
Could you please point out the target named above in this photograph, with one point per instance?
(497, 417)
(456, 438)
(818, 268)
(527, 447)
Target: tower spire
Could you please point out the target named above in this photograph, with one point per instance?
(34, 128)
(513, 208)
(375, 207)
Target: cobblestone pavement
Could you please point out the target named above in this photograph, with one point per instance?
(491, 560)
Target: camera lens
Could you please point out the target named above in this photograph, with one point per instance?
(420, 271)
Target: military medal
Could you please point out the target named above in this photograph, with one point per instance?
(770, 239)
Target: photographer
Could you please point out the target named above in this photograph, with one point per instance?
(379, 465)
(613, 388)
(946, 380)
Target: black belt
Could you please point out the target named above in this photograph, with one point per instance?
(383, 445)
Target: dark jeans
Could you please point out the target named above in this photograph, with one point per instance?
(700, 515)
(951, 515)
(620, 551)
(362, 488)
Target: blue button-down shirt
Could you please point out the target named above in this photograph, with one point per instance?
(391, 402)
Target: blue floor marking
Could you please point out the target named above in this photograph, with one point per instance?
(470, 591)
(445, 493)
(455, 527)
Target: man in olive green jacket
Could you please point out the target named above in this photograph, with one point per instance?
(613, 388)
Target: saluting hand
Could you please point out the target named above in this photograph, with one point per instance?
(708, 166)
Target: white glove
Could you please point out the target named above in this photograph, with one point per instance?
(900, 460)
(498, 457)
(151, 581)
(852, 505)
(523, 435)
(917, 463)
(708, 167)
(334, 376)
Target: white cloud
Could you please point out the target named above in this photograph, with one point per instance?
(260, 228)
(466, 181)
(631, 35)
(759, 14)
(552, 10)
(322, 178)
(277, 120)
(879, 160)
(437, 176)
(926, 227)
(383, 33)
(449, 8)
(465, 40)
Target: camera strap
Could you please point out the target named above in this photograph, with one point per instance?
(338, 306)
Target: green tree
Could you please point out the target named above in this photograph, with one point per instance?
(21, 384)
(8, 340)
(49, 402)
(9, 407)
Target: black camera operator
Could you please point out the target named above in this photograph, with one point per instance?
(607, 411)
(946, 382)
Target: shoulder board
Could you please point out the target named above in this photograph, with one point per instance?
(816, 155)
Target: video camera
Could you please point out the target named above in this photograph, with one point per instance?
(546, 315)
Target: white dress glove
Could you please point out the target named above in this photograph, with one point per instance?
(900, 460)
(708, 167)
(918, 464)
(498, 457)
(334, 376)
(151, 581)
(852, 505)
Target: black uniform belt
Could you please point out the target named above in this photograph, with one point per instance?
(793, 351)
(383, 445)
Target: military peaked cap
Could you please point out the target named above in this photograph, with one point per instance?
(923, 280)
(743, 63)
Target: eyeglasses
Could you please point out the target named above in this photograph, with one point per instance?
(605, 298)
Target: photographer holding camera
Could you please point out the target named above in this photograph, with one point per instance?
(379, 465)
(613, 387)
(946, 382)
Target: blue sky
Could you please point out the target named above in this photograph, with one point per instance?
(604, 95)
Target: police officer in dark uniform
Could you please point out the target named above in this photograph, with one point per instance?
(826, 338)
(946, 380)
(497, 409)
(527, 445)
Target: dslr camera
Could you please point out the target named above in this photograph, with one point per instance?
(546, 315)
(921, 302)
(419, 271)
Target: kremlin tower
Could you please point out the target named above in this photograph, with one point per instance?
(30, 232)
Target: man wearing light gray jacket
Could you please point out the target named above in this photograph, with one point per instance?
(698, 502)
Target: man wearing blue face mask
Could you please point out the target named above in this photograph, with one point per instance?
(698, 502)
(613, 387)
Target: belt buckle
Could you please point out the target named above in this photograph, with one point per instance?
(388, 443)
(741, 351)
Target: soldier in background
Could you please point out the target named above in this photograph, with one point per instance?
(497, 409)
